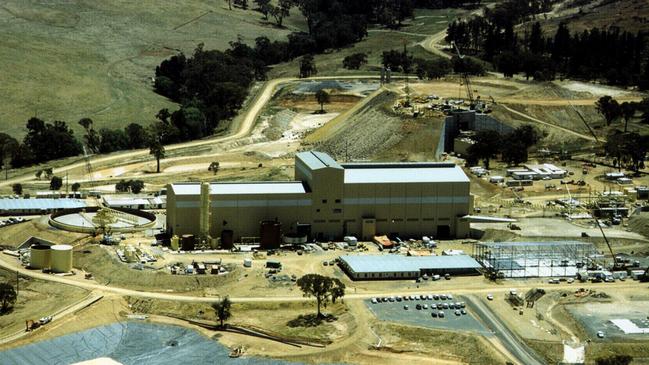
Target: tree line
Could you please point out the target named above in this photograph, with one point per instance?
(615, 56)
(512, 147)
(625, 148)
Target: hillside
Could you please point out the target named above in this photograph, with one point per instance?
(66, 60)
(630, 15)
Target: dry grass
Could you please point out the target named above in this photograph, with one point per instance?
(467, 348)
(70, 60)
(15, 234)
(36, 299)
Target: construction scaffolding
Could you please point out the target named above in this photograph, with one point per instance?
(536, 259)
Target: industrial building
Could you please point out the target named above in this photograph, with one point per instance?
(536, 259)
(327, 201)
(10, 206)
(135, 202)
(386, 267)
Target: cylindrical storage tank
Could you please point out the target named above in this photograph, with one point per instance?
(227, 239)
(247, 262)
(39, 257)
(174, 242)
(270, 234)
(61, 258)
(187, 242)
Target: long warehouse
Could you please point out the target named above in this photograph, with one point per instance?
(385, 267)
(329, 200)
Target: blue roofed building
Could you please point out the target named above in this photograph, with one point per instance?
(10, 206)
(393, 266)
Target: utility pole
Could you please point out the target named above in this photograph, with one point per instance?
(17, 284)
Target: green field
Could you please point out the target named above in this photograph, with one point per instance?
(426, 22)
(71, 59)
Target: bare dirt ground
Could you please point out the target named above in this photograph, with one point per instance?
(36, 299)
(15, 234)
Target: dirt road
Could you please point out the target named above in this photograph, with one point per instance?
(243, 129)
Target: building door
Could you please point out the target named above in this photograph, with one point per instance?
(444, 232)
(369, 229)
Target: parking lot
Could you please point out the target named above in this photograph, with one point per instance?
(439, 311)
(596, 317)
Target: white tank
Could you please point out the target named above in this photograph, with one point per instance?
(39, 257)
(61, 258)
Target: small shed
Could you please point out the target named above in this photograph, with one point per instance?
(273, 264)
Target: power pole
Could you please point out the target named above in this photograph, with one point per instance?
(17, 284)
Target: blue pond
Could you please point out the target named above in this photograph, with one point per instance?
(129, 343)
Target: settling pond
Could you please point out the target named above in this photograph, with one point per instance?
(129, 343)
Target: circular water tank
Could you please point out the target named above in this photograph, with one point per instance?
(61, 258)
(188, 242)
(39, 257)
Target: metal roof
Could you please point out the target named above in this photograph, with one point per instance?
(376, 173)
(35, 204)
(318, 160)
(400, 263)
(281, 187)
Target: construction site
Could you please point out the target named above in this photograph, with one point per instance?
(442, 261)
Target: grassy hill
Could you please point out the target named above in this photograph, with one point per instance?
(71, 59)
(630, 15)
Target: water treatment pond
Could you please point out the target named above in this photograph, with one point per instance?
(129, 343)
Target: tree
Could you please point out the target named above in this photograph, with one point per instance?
(355, 61)
(17, 188)
(614, 360)
(628, 111)
(214, 167)
(76, 186)
(136, 186)
(92, 138)
(487, 145)
(609, 108)
(230, 4)
(280, 11)
(48, 172)
(515, 144)
(56, 183)
(158, 151)
(8, 297)
(222, 310)
(323, 288)
(136, 136)
(38, 174)
(264, 7)
(536, 43)
(323, 98)
(243, 4)
(307, 66)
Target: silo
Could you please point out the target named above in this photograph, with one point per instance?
(61, 258)
(39, 257)
(270, 235)
(204, 219)
(174, 242)
(187, 242)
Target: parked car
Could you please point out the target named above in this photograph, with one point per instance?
(490, 297)
(463, 311)
(449, 296)
(405, 307)
(434, 314)
(418, 306)
(440, 314)
(425, 306)
(600, 334)
(435, 297)
(458, 313)
(374, 301)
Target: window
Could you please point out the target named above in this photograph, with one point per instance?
(324, 201)
(337, 201)
(338, 211)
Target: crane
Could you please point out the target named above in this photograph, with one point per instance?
(465, 76)
(616, 264)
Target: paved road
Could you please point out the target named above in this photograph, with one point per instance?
(516, 347)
